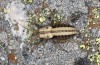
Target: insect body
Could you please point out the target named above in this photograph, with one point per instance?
(46, 25)
(56, 32)
(49, 32)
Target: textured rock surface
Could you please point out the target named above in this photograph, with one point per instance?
(46, 54)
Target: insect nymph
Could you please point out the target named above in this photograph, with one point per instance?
(58, 32)
(53, 30)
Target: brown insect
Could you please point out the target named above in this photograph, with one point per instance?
(57, 32)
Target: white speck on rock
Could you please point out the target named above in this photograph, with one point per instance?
(21, 46)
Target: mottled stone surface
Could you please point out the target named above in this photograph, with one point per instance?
(47, 54)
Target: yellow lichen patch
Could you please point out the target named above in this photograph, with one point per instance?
(87, 47)
(89, 20)
(95, 13)
(5, 11)
(42, 19)
(98, 63)
(97, 56)
(98, 40)
(29, 34)
(30, 18)
(30, 1)
(47, 11)
(91, 57)
(94, 17)
(82, 46)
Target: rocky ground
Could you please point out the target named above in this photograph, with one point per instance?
(14, 18)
